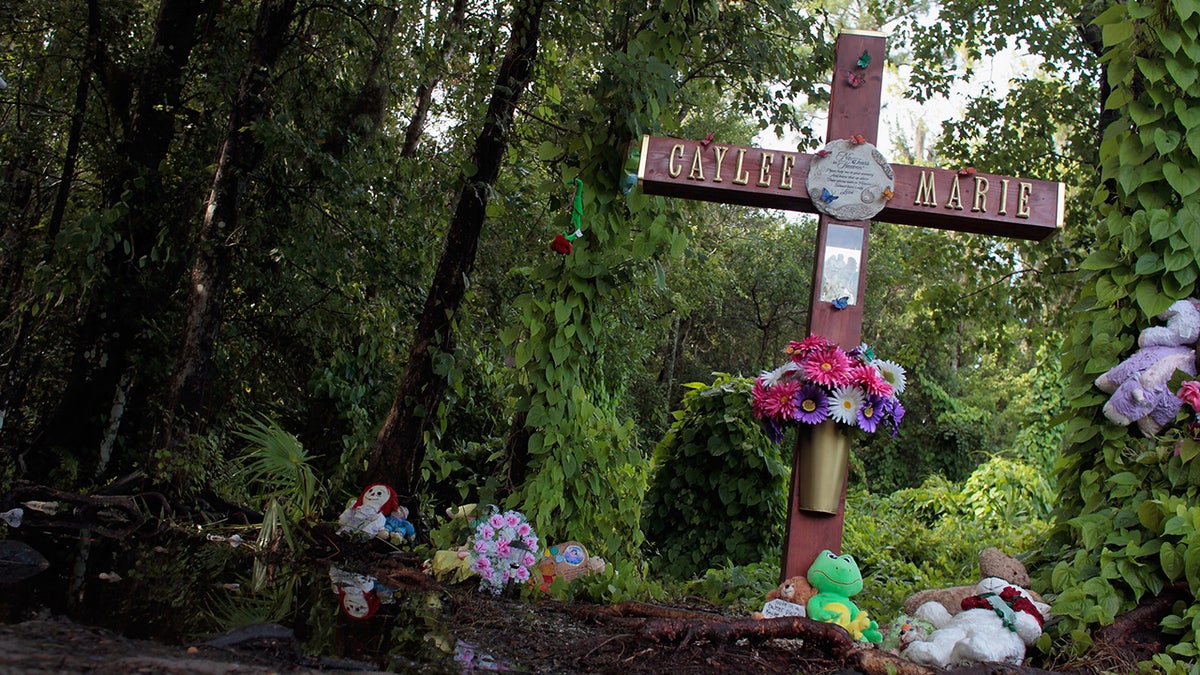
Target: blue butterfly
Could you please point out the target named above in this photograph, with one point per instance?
(842, 302)
(827, 196)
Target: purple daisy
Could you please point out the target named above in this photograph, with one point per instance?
(895, 412)
(870, 413)
(812, 405)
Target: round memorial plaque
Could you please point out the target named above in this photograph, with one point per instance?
(850, 181)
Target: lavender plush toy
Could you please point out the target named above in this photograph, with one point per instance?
(1139, 384)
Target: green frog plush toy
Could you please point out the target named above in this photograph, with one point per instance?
(836, 578)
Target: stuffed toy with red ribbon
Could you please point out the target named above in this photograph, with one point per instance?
(995, 625)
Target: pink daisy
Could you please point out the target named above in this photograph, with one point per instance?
(868, 378)
(779, 402)
(798, 350)
(827, 367)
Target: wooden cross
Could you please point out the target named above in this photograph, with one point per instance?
(961, 200)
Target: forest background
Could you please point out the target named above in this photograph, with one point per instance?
(333, 218)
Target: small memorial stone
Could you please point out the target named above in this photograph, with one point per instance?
(850, 181)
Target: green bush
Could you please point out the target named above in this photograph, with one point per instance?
(719, 489)
(931, 536)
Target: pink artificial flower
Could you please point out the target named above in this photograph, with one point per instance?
(522, 574)
(487, 532)
(798, 350)
(827, 367)
(759, 396)
(531, 543)
(483, 564)
(512, 520)
(528, 560)
(1189, 392)
(502, 548)
(496, 520)
(779, 402)
(488, 574)
(481, 546)
(523, 529)
(869, 379)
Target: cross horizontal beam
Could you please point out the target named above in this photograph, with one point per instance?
(963, 200)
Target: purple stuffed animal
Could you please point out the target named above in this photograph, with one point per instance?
(1139, 388)
(1139, 384)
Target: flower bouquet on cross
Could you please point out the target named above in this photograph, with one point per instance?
(821, 381)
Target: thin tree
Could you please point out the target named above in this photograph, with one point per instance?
(240, 153)
(400, 446)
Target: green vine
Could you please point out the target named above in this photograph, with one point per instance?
(1126, 521)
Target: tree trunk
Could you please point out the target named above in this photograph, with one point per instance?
(416, 125)
(15, 383)
(400, 447)
(107, 346)
(240, 153)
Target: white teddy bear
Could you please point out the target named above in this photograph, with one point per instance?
(994, 626)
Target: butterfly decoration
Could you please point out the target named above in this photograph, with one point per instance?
(966, 171)
(888, 194)
(842, 302)
(864, 60)
(858, 139)
(854, 80)
(823, 153)
(627, 182)
(707, 139)
(827, 196)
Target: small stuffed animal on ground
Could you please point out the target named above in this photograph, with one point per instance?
(994, 626)
(904, 631)
(794, 592)
(1139, 386)
(376, 513)
(398, 528)
(992, 563)
(836, 578)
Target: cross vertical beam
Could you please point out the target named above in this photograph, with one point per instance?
(853, 110)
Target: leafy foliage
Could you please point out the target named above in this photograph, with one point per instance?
(1125, 526)
(719, 491)
(931, 536)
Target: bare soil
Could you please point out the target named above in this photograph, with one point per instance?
(500, 633)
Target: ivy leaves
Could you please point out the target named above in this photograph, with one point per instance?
(719, 488)
(1127, 525)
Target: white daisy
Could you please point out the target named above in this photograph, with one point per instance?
(892, 373)
(770, 378)
(844, 404)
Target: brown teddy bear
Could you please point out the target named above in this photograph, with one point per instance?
(992, 563)
(794, 590)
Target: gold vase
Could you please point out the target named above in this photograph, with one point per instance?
(821, 456)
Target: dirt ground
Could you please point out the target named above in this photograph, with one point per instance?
(495, 633)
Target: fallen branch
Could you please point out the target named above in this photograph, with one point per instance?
(631, 609)
(1138, 634)
(826, 637)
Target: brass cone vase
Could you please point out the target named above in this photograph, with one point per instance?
(822, 453)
